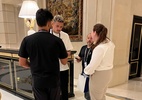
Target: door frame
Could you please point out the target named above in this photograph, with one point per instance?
(136, 63)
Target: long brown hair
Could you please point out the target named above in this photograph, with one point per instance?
(101, 31)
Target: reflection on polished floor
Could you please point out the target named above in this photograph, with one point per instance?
(132, 90)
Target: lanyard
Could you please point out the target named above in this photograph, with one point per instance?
(55, 33)
(42, 30)
(86, 54)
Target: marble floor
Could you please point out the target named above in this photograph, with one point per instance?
(132, 90)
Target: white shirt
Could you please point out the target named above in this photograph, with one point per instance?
(66, 40)
(102, 58)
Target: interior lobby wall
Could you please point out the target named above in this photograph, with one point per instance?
(9, 26)
(121, 34)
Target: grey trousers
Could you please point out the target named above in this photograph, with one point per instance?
(98, 84)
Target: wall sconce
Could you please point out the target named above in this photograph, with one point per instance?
(28, 12)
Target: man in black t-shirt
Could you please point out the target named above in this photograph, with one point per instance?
(85, 53)
(85, 56)
(44, 51)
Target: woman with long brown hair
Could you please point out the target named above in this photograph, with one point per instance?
(101, 64)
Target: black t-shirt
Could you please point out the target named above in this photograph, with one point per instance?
(44, 51)
(85, 55)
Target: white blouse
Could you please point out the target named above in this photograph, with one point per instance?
(102, 58)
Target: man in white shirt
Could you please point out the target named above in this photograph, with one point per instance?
(57, 25)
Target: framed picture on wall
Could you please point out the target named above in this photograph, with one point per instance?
(71, 10)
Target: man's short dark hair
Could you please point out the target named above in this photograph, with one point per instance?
(43, 16)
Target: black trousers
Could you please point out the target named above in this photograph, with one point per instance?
(47, 93)
(64, 84)
(87, 96)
